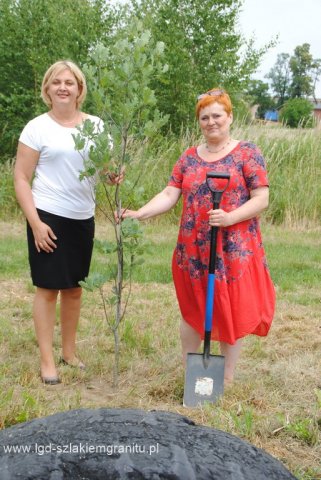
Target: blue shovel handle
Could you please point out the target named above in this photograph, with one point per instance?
(209, 302)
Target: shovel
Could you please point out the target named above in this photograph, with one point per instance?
(204, 375)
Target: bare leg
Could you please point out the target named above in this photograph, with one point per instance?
(190, 340)
(44, 315)
(70, 302)
(231, 354)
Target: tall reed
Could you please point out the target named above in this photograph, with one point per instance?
(9, 207)
(293, 159)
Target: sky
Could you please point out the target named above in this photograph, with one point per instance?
(295, 21)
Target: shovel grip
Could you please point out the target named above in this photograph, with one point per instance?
(216, 192)
(223, 175)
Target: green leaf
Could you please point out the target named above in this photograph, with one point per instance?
(94, 281)
(105, 246)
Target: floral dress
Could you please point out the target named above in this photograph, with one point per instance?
(244, 293)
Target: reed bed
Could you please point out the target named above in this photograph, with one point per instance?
(293, 158)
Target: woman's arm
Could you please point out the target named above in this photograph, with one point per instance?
(26, 162)
(258, 202)
(161, 203)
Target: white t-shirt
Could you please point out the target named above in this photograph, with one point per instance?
(56, 187)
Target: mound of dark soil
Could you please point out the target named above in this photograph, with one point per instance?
(129, 444)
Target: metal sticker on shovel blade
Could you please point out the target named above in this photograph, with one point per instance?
(203, 384)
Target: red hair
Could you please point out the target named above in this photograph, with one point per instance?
(215, 95)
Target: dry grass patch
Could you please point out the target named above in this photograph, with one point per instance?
(275, 402)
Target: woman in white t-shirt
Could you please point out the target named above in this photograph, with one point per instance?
(59, 209)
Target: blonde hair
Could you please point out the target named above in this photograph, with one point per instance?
(57, 68)
(215, 95)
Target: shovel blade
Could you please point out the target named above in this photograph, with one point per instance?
(203, 383)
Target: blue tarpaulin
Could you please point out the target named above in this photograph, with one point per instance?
(272, 115)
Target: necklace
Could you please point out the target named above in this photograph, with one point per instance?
(220, 149)
(65, 124)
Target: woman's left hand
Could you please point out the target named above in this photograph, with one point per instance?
(219, 218)
(112, 178)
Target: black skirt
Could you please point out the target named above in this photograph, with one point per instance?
(70, 261)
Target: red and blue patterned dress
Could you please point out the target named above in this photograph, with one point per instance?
(244, 293)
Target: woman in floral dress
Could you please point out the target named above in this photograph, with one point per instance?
(244, 292)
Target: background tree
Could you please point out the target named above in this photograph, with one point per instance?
(202, 50)
(297, 112)
(316, 74)
(280, 77)
(33, 36)
(258, 92)
(301, 65)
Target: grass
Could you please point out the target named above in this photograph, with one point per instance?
(276, 400)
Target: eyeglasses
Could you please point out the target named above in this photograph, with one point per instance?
(213, 93)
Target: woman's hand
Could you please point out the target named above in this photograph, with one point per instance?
(44, 238)
(125, 213)
(161, 203)
(219, 218)
(259, 200)
(113, 178)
